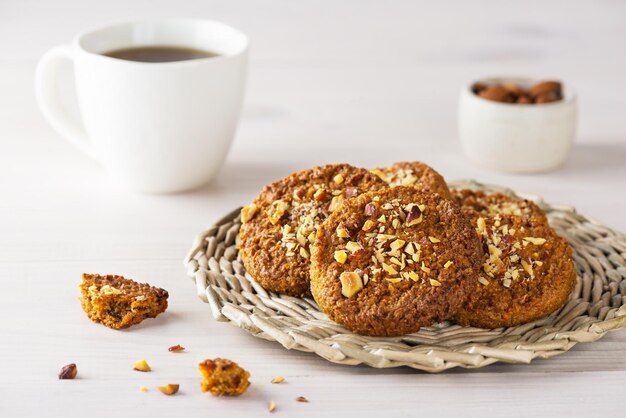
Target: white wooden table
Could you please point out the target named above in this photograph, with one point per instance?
(363, 82)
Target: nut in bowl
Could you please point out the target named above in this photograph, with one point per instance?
(511, 124)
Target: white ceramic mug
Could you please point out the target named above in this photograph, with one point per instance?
(517, 138)
(156, 127)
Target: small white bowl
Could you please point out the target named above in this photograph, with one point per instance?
(517, 138)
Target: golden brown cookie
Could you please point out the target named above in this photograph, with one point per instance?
(416, 174)
(527, 272)
(280, 224)
(117, 302)
(223, 377)
(394, 260)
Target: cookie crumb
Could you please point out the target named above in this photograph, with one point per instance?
(223, 377)
(117, 302)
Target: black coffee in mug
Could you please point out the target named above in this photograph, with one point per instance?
(159, 54)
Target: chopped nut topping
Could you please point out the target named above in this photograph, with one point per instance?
(68, 372)
(396, 262)
(338, 179)
(320, 195)
(176, 348)
(528, 267)
(169, 389)
(414, 216)
(248, 212)
(272, 406)
(350, 283)
(507, 208)
(379, 173)
(397, 245)
(389, 269)
(342, 232)
(353, 246)
(371, 210)
(106, 290)
(435, 283)
(369, 225)
(301, 399)
(448, 264)
(304, 253)
(480, 222)
(141, 366)
(391, 255)
(278, 379)
(341, 256)
(483, 281)
(503, 262)
(276, 211)
(535, 241)
(335, 203)
(351, 192)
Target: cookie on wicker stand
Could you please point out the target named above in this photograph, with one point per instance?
(527, 271)
(280, 224)
(394, 260)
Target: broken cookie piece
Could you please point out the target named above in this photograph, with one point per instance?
(118, 303)
(223, 377)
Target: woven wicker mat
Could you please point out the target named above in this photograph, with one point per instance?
(597, 305)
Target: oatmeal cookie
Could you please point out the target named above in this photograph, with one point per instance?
(416, 174)
(117, 302)
(527, 272)
(280, 224)
(394, 260)
(223, 377)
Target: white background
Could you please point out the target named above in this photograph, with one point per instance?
(366, 82)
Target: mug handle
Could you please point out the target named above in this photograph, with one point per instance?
(54, 78)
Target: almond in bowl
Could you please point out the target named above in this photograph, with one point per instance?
(517, 125)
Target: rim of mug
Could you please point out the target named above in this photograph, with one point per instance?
(245, 41)
(569, 97)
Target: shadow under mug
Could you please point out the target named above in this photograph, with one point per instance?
(156, 127)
